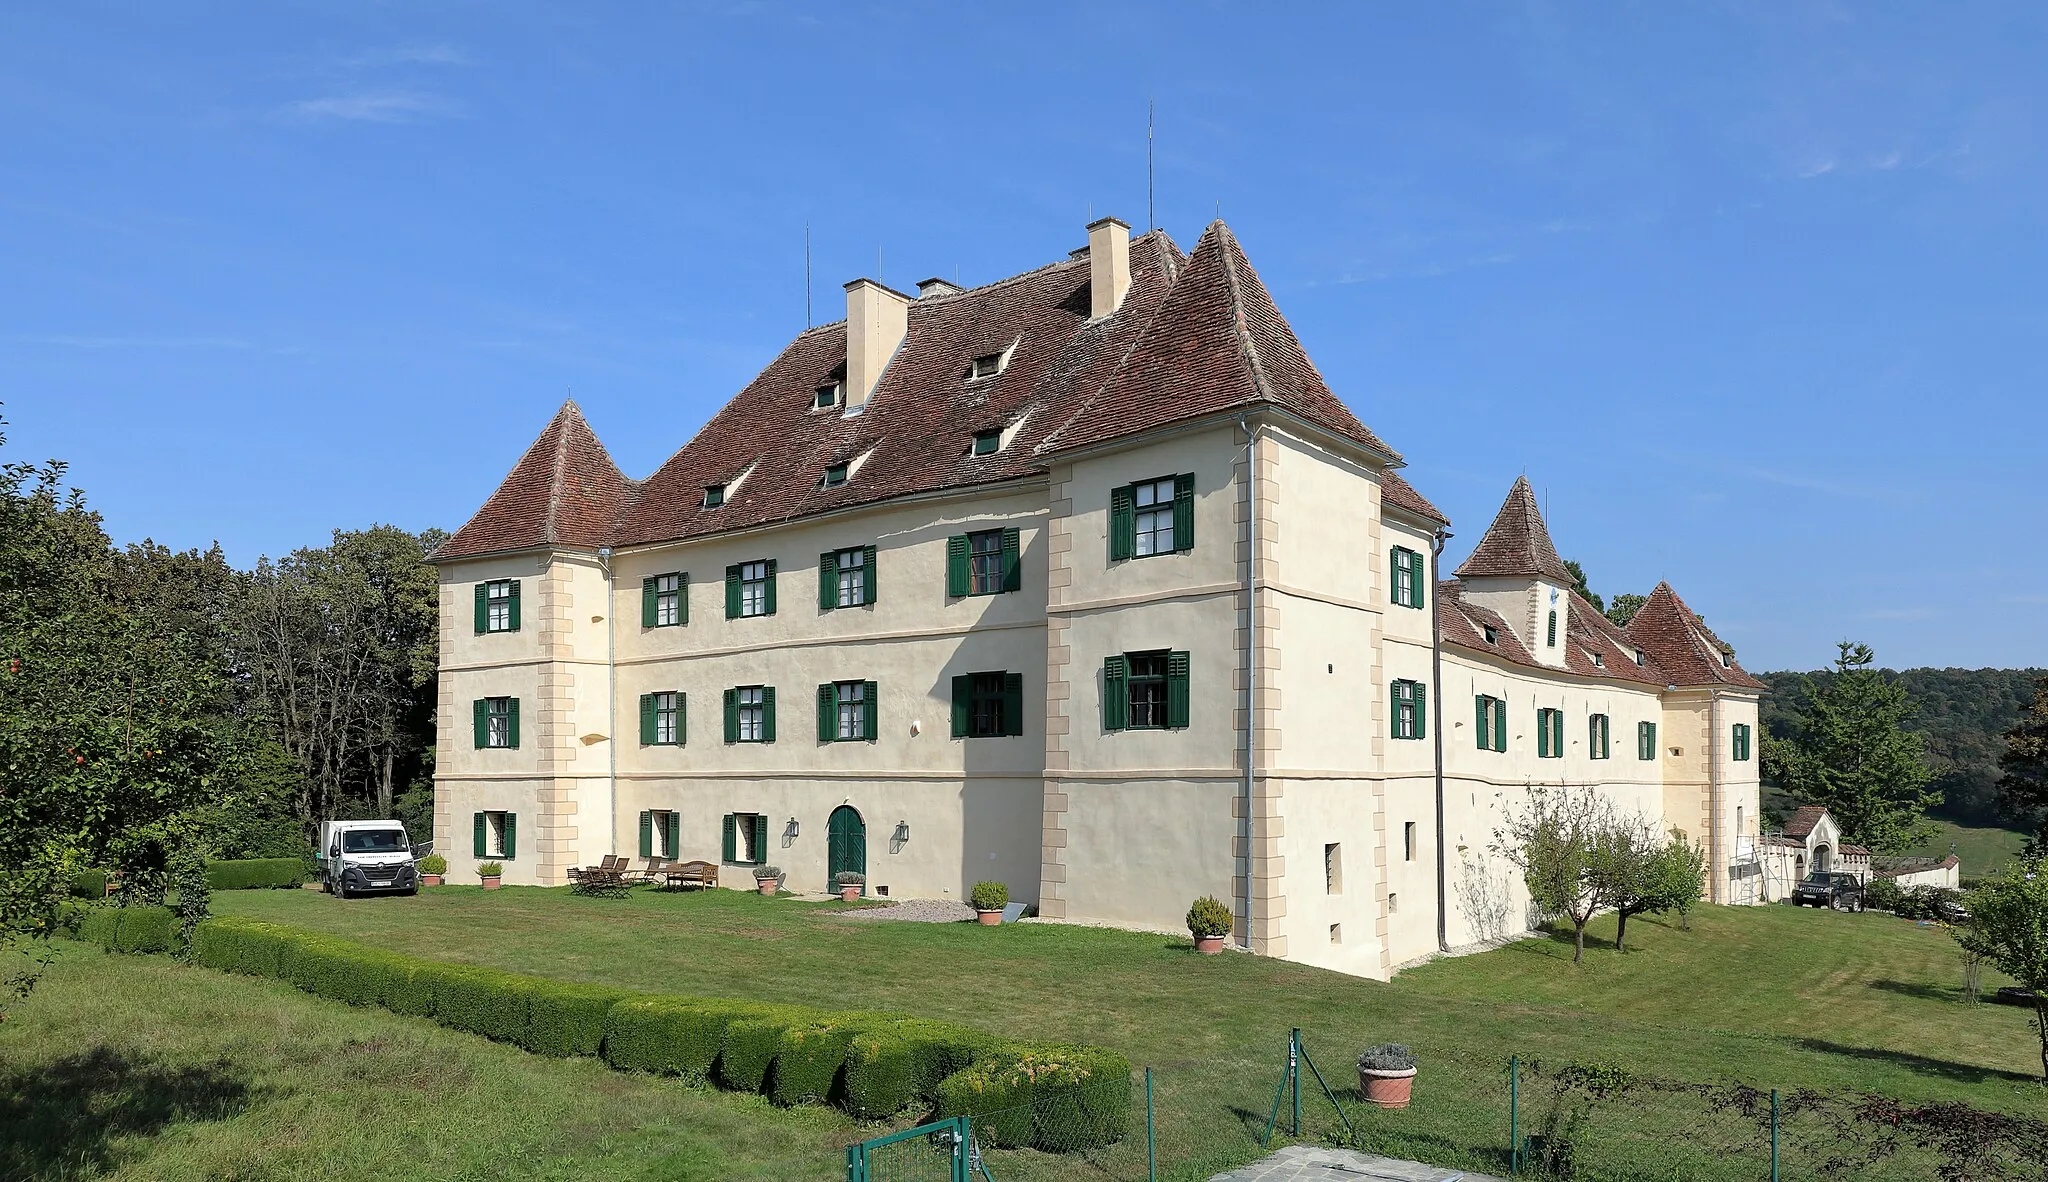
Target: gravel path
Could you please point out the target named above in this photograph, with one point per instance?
(916, 911)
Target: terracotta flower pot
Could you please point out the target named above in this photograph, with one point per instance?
(1208, 945)
(1388, 1089)
(849, 894)
(767, 887)
(430, 880)
(491, 882)
(989, 918)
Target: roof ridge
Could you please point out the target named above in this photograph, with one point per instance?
(1249, 347)
(1137, 338)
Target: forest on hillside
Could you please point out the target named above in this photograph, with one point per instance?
(1964, 714)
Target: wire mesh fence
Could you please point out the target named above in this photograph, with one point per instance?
(1182, 1122)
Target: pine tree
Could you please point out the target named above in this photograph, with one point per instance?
(1854, 757)
(2023, 778)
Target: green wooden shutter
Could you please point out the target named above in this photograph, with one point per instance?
(650, 612)
(731, 847)
(873, 709)
(512, 621)
(682, 599)
(732, 592)
(1116, 701)
(1543, 734)
(512, 722)
(867, 582)
(1394, 723)
(1500, 724)
(1123, 523)
(768, 714)
(828, 712)
(1177, 690)
(672, 835)
(963, 703)
(649, 731)
(732, 716)
(770, 597)
(828, 582)
(760, 838)
(1421, 710)
(1420, 566)
(1483, 719)
(956, 566)
(682, 719)
(1397, 561)
(482, 833)
(1013, 562)
(1013, 703)
(646, 834)
(483, 608)
(511, 836)
(1184, 512)
(1550, 633)
(482, 708)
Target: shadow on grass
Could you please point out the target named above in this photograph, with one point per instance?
(1919, 989)
(60, 1118)
(1918, 1064)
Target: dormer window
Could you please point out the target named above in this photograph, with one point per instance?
(1599, 661)
(1639, 656)
(1492, 635)
(835, 476)
(1727, 659)
(714, 495)
(829, 396)
(987, 365)
(986, 443)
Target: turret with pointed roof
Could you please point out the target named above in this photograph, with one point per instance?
(1688, 653)
(564, 492)
(1517, 545)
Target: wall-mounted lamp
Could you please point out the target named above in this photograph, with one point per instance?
(790, 830)
(900, 838)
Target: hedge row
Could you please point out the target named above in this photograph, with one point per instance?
(252, 873)
(130, 929)
(89, 884)
(871, 1064)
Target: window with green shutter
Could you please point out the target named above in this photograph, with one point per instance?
(1146, 691)
(660, 833)
(646, 833)
(497, 606)
(497, 835)
(1411, 710)
(1549, 733)
(1741, 744)
(714, 495)
(1408, 573)
(988, 705)
(750, 714)
(750, 589)
(846, 711)
(497, 722)
(1646, 740)
(1491, 722)
(1596, 735)
(987, 443)
(483, 843)
(662, 719)
(745, 838)
(1152, 517)
(665, 600)
(1116, 702)
(846, 578)
(986, 562)
(1122, 524)
(672, 835)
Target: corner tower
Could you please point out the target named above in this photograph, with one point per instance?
(1515, 572)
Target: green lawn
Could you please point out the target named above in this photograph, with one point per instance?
(1776, 997)
(1983, 850)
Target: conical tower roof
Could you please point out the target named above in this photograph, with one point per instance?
(1691, 654)
(1517, 545)
(565, 491)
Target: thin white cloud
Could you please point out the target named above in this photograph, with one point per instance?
(373, 106)
(1817, 168)
(412, 55)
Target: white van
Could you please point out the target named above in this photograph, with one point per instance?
(358, 857)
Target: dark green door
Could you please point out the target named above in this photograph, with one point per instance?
(846, 847)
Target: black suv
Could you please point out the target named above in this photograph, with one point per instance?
(1839, 891)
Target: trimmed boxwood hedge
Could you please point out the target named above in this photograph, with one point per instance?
(239, 874)
(874, 1065)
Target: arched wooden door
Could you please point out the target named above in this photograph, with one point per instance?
(846, 847)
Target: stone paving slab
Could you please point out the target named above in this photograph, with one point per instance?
(1308, 1163)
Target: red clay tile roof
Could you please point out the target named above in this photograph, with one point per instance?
(1670, 632)
(565, 491)
(1517, 544)
(1803, 820)
(1587, 632)
(1217, 344)
(1402, 495)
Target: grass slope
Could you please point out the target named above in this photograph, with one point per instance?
(1982, 850)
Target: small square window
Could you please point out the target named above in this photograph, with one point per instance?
(1492, 634)
(1408, 841)
(1333, 869)
(1639, 656)
(1336, 933)
(1599, 661)
(986, 442)
(835, 476)
(987, 365)
(714, 495)
(828, 396)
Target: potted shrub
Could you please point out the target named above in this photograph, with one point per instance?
(768, 879)
(988, 900)
(490, 872)
(432, 867)
(849, 883)
(1386, 1073)
(1208, 923)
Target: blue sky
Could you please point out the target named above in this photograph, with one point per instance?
(1753, 292)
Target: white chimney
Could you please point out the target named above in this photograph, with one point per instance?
(876, 319)
(1109, 265)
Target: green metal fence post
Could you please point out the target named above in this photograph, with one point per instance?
(1514, 1115)
(1294, 1071)
(1151, 1142)
(1774, 1135)
(853, 1171)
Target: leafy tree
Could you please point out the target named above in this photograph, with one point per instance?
(1553, 841)
(1579, 585)
(2009, 927)
(2023, 782)
(1853, 755)
(1622, 870)
(1624, 608)
(1680, 873)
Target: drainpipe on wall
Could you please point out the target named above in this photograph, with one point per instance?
(1436, 691)
(1716, 870)
(611, 697)
(1247, 830)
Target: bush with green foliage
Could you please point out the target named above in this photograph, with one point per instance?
(490, 869)
(130, 929)
(989, 896)
(751, 1041)
(1208, 918)
(808, 1057)
(892, 1063)
(433, 864)
(243, 874)
(89, 884)
(670, 1035)
(1056, 1098)
(767, 874)
(1883, 894)
(1388, 1056)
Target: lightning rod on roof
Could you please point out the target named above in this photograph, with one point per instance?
(1151, 218)
(807, 273)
